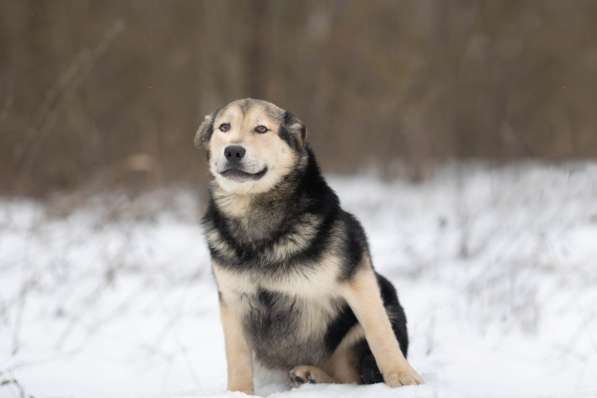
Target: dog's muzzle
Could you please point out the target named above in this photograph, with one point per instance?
(235, 169)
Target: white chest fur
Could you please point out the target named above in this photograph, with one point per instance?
(302, 304)
(308, 282)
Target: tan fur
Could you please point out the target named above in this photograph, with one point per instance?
(363, 296)
(311, 290)
(263, 150)
(294, 242)
(341, 367)
(232, 286)
(312, 284)
(310, 374)
(341, 364)
(316, 291)
(285, 247)
(238, 353)
(231, 204)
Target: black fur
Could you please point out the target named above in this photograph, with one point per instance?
(355, 244)
(309, 195)
(287, 137)
(338, 328)
(302, 200)
(271, 326)
(293, 136)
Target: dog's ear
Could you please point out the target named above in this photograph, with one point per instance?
(293, 131)
(204, 132)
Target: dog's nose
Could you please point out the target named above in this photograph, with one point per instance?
(234, 153)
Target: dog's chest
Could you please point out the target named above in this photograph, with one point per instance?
(285, 320)
(286, 331)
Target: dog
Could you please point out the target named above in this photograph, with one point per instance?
(296, 286)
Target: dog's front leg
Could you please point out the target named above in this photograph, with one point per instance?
(238, 353)
(362, 294)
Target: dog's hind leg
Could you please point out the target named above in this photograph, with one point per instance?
(342, 365)
(309, 374)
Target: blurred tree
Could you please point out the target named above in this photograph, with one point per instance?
(88, 88)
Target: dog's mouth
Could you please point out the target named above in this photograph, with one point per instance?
(241, 175)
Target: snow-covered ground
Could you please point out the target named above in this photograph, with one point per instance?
(496, 268)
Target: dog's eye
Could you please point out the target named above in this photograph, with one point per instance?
(224, 127)
(261, 129)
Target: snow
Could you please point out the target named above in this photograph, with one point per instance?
(496, 268)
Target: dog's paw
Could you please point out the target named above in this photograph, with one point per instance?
(403, 377)
(245, 387)
(308, 374)
(302, 375)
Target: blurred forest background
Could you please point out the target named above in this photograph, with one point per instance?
(108, 93)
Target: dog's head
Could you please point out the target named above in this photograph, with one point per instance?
(251, 145)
